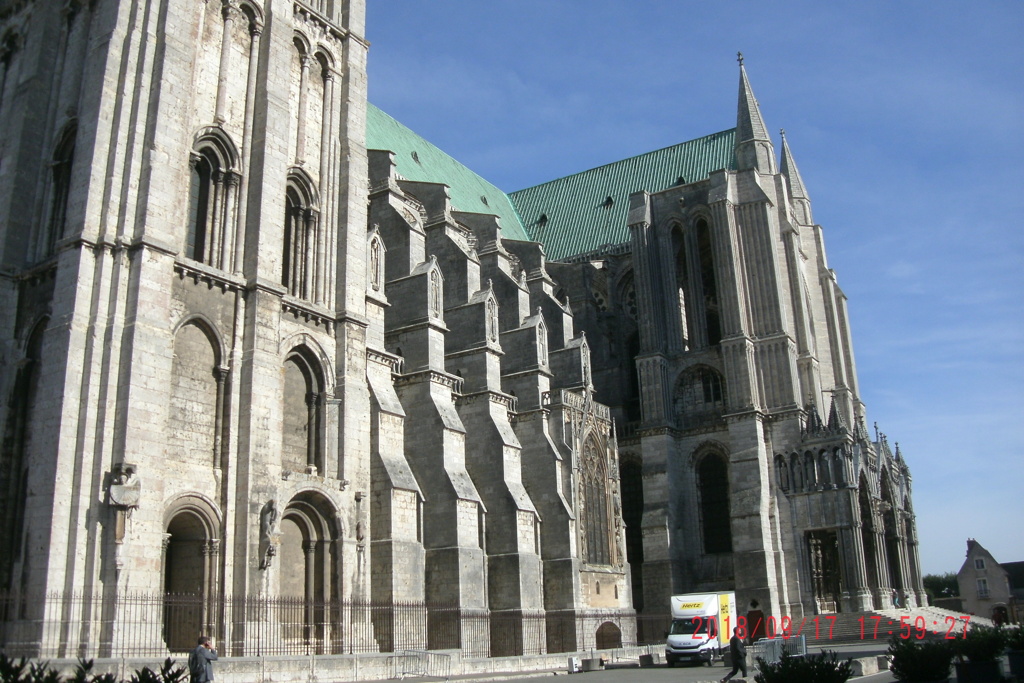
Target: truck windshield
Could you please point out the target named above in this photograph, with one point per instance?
(686, 627)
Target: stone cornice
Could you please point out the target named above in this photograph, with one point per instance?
(212, 277)
(486, 347)
(262, 284)
(435, 376)
(494, 396)
(384, 358)
(309, 312)
(419, 324)
(539, 370)
(320, 22)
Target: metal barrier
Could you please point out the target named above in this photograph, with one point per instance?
(770, 649)
(420, 663)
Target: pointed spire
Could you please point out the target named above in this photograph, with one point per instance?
(813, 424)
(753, 145)
(792, 173)
(797, 191)
(835, 420)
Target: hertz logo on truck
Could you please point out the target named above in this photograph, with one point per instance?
(691, 605)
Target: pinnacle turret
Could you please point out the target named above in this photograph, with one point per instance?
(797, 190)
(835, 418)
(753, 145)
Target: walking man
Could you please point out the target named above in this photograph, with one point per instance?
(738, 652)
(200, 661)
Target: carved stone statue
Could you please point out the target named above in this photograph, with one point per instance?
(270, 537)
(125, 488)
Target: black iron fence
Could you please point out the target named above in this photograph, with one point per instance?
(156, 625)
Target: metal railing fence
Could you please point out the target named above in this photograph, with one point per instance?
(67, 625)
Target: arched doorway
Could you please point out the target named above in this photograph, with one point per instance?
(609, 636)
(190, 576)
(867, 520)
(893, 537)
(308, 573)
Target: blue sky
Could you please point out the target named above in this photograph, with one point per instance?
(905, 119)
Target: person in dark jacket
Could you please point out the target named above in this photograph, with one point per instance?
(200, 661)
(738, 652)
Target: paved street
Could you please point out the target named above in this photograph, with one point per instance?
(629, 672)
(695, 674)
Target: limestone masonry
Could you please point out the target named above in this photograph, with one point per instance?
(258, 339)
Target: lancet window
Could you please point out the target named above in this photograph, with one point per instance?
(708, 283)
(63, 157)
(597, 528)
(713, 491)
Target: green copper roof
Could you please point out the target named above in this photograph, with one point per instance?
(417, 159)
(587, 210)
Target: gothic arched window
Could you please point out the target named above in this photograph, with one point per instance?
(699, 396)
(63, 158)
(708, 283)
(597, 531)
(713, 490)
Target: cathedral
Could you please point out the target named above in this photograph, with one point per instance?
(263, 346)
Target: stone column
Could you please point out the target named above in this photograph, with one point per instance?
(856, 596)
(255, 30)
(300, 128)
(220, 373)
(312, 399)
(228, 10)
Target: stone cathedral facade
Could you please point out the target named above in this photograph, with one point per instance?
(259, 339)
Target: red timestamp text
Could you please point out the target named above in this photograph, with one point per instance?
(785, 627)
(871, 627)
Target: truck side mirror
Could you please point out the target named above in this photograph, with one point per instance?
(666, 634)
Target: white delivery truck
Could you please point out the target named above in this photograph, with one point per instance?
(701, 625)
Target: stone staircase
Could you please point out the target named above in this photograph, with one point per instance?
(847, 628)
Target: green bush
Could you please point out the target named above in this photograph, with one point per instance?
(167, 674)
(982, 644)
(11, 670)
(917, 661)
(1014, 637)
(83, 674)
(823, 668)
(21, 671)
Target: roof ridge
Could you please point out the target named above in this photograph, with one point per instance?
(620, 161)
